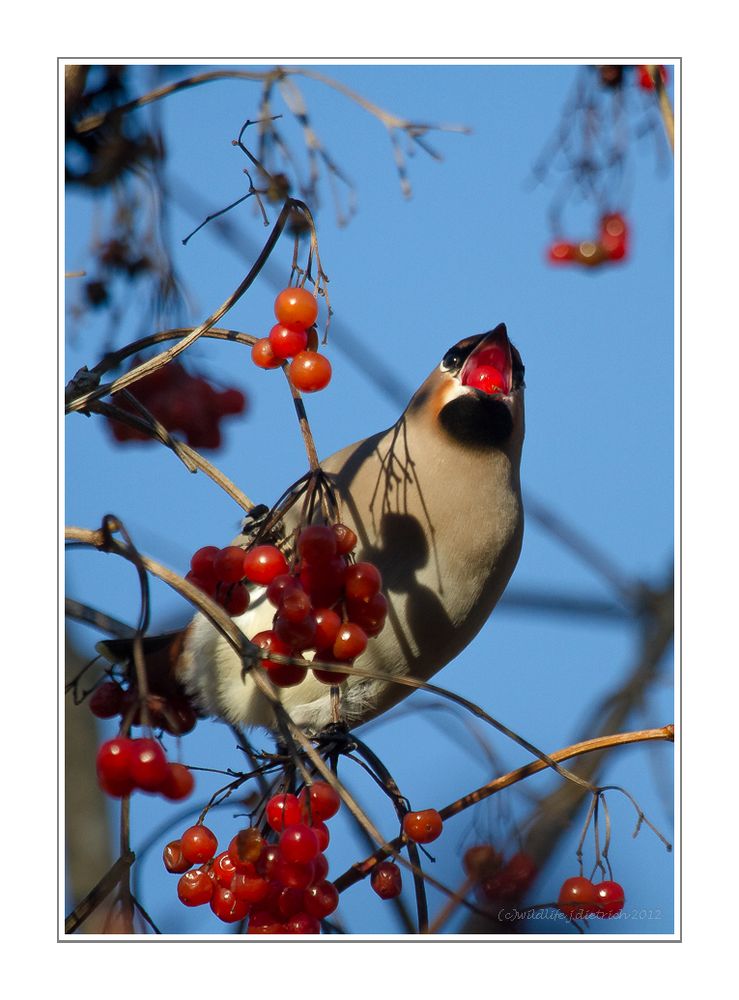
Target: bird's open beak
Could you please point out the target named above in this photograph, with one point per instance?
(489, 368)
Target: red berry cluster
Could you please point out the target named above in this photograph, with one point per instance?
(124, 765)
(279, 885)
(223, 574)
(294, 337)
(325, 604)
(644, 77)
(579, 898)
(181, 402)
(173, 713)
(611, 244)
(499, 881)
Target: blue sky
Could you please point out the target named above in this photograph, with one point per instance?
(409, 278)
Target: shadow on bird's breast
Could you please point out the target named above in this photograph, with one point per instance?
(419, 619)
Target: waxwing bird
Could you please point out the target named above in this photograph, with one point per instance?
(435, 501)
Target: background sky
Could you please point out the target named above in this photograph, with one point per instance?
(408, 278)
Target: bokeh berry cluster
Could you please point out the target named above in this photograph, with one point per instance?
(125, 765)
(610, 244)
(180, 402)
(294, 338)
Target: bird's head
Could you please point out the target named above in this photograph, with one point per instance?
(475, 395)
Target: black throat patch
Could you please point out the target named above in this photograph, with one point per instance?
(478, 421)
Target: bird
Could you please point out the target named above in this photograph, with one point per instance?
(435, 502)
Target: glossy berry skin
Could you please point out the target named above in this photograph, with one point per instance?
(577, 897)
(106, 701)
(317, 543)
(302, 923)
(286, 342)
(233, 598)
(370, 615)
(114, 761)
(362, 581)
(299, 635)
(178, 784)
(310, 371)
(609, 899)
(487, 379)
(331, 677)
(350, 642)
(251, 888)
(299, 844)
(281, 674)
(295, 874)
(386, 880)
(263, 356)
(283, 810)
(149, 765)
(195, 888)
(245, 849)
(346, 539)
(223, 869)
(422, 827)
(320, 900)
(296, 308)
(263, 563)
(198, 844)
(328, 624)
(202, 561)
(228, 565)
(319, 800)
(227, 906)
(174, 860)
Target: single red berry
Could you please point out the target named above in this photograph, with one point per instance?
(202, 561)
(613, 235)
(227, 906)
(299, 635)
(295, 605)
(298, 843)
(178, 784)
(321, 899)
(199, 844)
(328, 676)
(317, 544)
(251, 888)
(286, 342)
(320, 800)
(195, 888)
(609, 899)
(577, 898)
(285, 902)
(486, 379)
(149, 765)
(386, 880)
(228, 565)
(223, 869)
(350, 642)
(279, 586)
(296, 307)
(114, 762)
(320, 868)
(295, 874)
(362, 581)
(106, 701)
(303, 923)
(370, 615)
(268, 861)
(322, 832)
(422, 827)
(346, 539)
(560, 253)
(174, 860)
(310, 371)
(208, 586)
(328, 624)
(283, 810)
(263, 563)
(263, 356)
(179, 716)
(323, 582)
(233, 597)
(245, 849)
